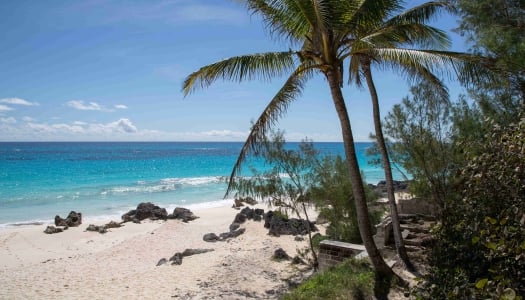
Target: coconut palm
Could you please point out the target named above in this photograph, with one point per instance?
(325, 32)
(395, 44)
(315, 26)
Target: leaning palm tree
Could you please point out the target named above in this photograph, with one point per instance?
(396, 43)
(316, 26)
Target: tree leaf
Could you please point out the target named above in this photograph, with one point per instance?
(475, 240)
(481, 283)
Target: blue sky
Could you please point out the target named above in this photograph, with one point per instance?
(112, 70)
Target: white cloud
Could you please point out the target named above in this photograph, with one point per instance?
(121, 106)
(5, 108)
(223, 133)
(123, 125)
(8, 120)
(28, 119)
(18, 101)
(80, 105)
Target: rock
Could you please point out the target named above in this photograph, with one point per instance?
(279, 224)
(237, 203)
(232, 234)
(52, 229)
(189, 252)
(176, 259)
(257, 218)
(240, 218)
(113, 224)
(296, 260)
(99, 229)
(299, 238)
(162, 261)
(210, 237)
(183, 214)
(248, 212)
(280, 254)
(234, 226)
(259, 212)
(73, 219)
(145, 210)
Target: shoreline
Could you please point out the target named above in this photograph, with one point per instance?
(123, 262)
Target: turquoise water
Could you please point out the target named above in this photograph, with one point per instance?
(104, 180)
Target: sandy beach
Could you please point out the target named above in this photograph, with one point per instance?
(122, 264)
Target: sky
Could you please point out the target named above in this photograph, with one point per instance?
(112, 70)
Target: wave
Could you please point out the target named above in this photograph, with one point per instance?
(164, 185)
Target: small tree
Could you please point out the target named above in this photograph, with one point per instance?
(332, 194)
(286, 181)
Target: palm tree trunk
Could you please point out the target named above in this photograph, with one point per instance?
(398, 238)
(381, 268)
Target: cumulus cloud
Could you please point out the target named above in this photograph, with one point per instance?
(5, 108)
(28, 119)
(121, 106)
(18, 101)
(121, 126)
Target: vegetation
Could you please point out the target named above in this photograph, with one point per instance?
(353, 279)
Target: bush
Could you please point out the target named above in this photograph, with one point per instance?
(480, 250)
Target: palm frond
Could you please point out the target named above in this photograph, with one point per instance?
(262, 66)
(413, 35)
(423, 13)
(277, 108)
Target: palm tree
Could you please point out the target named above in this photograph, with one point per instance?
(387, 46)
(316, 25)
(326, 30)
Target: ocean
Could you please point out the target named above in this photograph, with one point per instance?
(103, 180)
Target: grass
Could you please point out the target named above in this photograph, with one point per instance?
(353, 279)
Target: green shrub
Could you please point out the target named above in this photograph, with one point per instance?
(353, 279)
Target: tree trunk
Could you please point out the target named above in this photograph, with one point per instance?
(381, 268)
(398, 239)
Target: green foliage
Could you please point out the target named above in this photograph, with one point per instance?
(421, 128)
(495, 29)
(480, 250)
(353, 279)
(331, 192)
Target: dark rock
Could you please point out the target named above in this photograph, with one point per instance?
(113, 224)
(162, 261)
(234, 226)
(248, 212)
(299, 238)
(280, 254)
(296, 260)
(73, 219)
(99, 229)
(237, 203)
(259, 212)
(232, 234)
(240, 218)
(145, 210)
(189, 252)
(249, 200)
(176, 259)
(52, 229)
(279, 224)
(257, 218)
(183, 214)
(210, 237)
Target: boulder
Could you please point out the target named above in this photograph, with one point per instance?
(183, 214)
(52, 229)
(176, 259)
(145, 210)
(113, 224)
(73, 219)
(280, 254)
(99, 229)
(238, 202)
(279, 224)
(240, 218)
(210, 237)
(232, 234)
(189, 252)
(234, 226)
(162, 261)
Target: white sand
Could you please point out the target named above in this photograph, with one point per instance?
(76, 264)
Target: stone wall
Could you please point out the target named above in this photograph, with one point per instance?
(332, 253)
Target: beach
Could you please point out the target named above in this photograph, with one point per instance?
(122, 263)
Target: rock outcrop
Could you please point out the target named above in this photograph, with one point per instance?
(183, 214)
(176, 259)
(145, 210)
(280, 225)
(53, 229)
(73, 219)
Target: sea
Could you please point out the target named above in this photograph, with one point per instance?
(103, 180)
